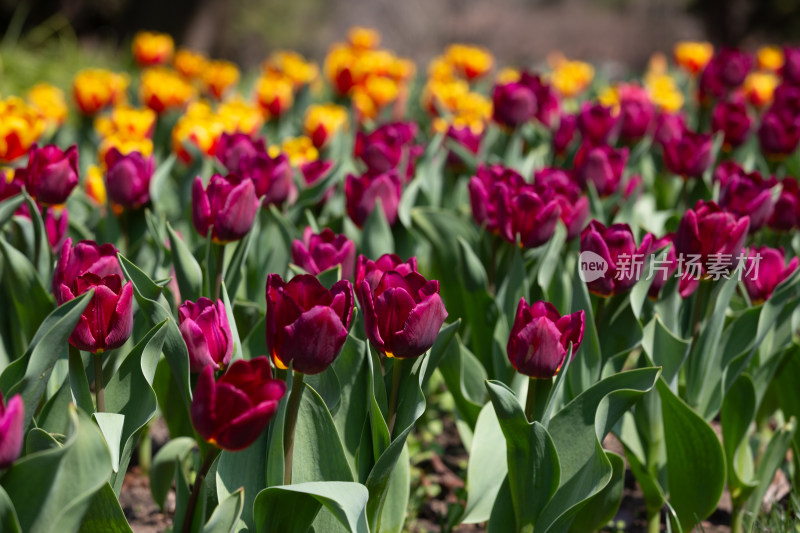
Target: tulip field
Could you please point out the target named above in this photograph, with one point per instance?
(377, 296)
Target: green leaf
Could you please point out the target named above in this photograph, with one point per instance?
(237, 343)
(318, 451)
(475, 277)
(533, 464)
(588, 362)
(43, 255)
(234, 275)
(159, 185)
(376, 236)
(514, 286)
(664, 348)
(487, 467)
(603, 506)
(28, 375)
(8, 207)
(67, 479)
(78, 381)
(393, 514)
(244, 471)
(130, 393)
(695, 460)
(225, 517)
(8, 516)
(163, 469)
(464, 376)
(187, 269)
(292, 508)
(738, 412)
(351, 369)
(110, 425)
(105, 514)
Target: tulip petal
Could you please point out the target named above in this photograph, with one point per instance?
(11, 431)
(314, 340)
(203, 404)
(420, 329)
(243, 430)
(120, 325)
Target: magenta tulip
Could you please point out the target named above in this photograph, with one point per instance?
(786, 215)
(597, 123)
(12, 427)
(616, 246)
(51, 173)
(764, 270)
(362, 194)
(602, 166)
(227, 207)
(207, 334)
(128, 178)
(689, 155)
(715, 237)
(318, 252)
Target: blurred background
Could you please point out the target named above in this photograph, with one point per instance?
(516, 31)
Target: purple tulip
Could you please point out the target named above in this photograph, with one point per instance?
(389, 147)
(236, 151)
(307, 323)
(602, 166)
(731, 118)
(555, 184)
(12, 425)
(565, 134)
(314, 171)
(467, 138)
(483, 191)
(713, 236)
(765, 269)
(513, 104)
(51, 173)
(689, 155)
(669, 128)
(56, 223)
(318, 252)
(726, 71)
(84, 257)
(525, 217)
(228, 207)
(596, 123)
(128, 178)
(233, 411)
(746, 193)
(402, 313)
(273, 178)
(11, 184)
(362, 194)
(779, 133)
(540, 339)
(617, 247)
(786, 215)
(372, 271)
(548, 107)
(205, 329)
(791, 65)
(636, 112)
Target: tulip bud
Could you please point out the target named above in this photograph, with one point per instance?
(84, 257)
(547, 105)
(555, 184)
(272, 176)
(565, 134)
(669, 128)
(636, 112)
(233, 411)
(402, 313)
(12, 425)
(205, 329)
(601, 165)
(714, 235)
(540, 339)
(513, 104)
(765, 269)
(524, 215)
(726, 71)
(372, 271)
(107, 322)
(617, 247)
(56, 222)
(786, 214)
(128, 178)
(483, 190)
(779, 133)
(306, 323)
(386, 148)
(228, 207)
(51, 173)
(362, 193)
(237, 150)
(746, 193)
(732, 119)
(596, 123)
(688, 155)
(319, 252)
(790, 71)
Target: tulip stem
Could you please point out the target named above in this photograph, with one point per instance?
(291, 421)
(654, 521)
(188, 518)
(536, 401)
(100, 394)
(220, 270)
(396, 373)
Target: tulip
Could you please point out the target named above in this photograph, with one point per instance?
(228, 207)
(779, 133)
(237, 150)
(56, 223)
(688, 155)
(596, 123)
(744, 193)
(51, 173)
(602, 166)
(362, 194)
(540, 339)
(636, 112)
(372, 271)
(524, 216)
(84, 257)
(555, 184)
(565, 134)
(714, 236)
(791, 65)
(273, 178)
(128, 178)
(726, 71)
(319, 252)
(402, 313)
(11, 182)
(483, 192)
(617, 247)
(207, 334)
(12, 426)
(786, 214)
(314, 171)
(669, 128)
(306, 323)
(513, 104)
(151, 48)
(387, 147)
(96, 89)
(547, 105)
(732, 119)
(765, 269)
(233, 411)
(107, 321)
(467, 137)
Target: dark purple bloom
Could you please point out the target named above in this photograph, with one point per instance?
(786, 215)
(128, 178)
(764, 270)
(12, 426)
(636, 112)
(51, 173)
(746, 194)
(616, 246)
(688, 155)
(596, 123)
(715, 237)
(318, 252)
(205, 329)
(362, 194)
(602, 166)
(555, 184)
(227, 207)
(731, 118)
